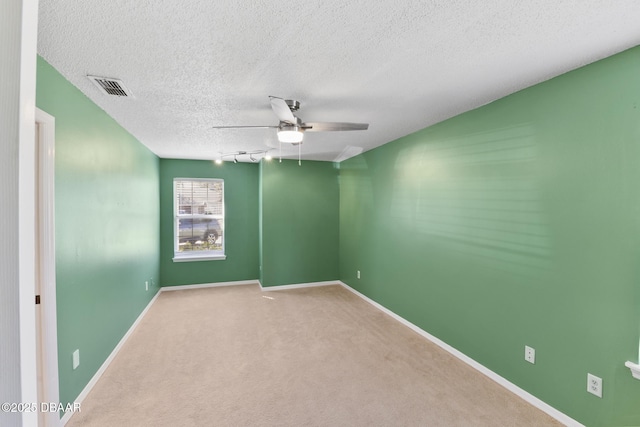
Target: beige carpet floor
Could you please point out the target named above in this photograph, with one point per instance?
(238, 356)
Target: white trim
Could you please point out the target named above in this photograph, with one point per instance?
(208, 285)
(526, 396)
(300, 285)
(85, 391)
(191, 258)
(46, 218)
(26, 206)
(635, 369)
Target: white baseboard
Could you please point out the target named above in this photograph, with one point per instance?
(526, 396)
(300, 285)
(209, 285)
(85, 391)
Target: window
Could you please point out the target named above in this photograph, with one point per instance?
(198, 219)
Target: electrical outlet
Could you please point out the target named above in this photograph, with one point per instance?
(530, 354)
(76, 359)
(146, 285)
(358, 274)
(594, 385)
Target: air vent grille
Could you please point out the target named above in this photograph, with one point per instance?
(108, 86)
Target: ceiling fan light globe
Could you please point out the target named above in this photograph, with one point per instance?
(290, 136)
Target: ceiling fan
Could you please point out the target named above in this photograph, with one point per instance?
(291, 129)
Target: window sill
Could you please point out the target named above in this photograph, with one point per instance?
(191, 258)
(635, 369)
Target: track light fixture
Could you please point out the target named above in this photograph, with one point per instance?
(236, 156)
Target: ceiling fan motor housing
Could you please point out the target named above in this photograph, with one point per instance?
(292, 104)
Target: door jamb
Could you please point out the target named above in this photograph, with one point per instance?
(46, 218)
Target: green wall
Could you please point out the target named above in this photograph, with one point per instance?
(107, 222)
(299, 214)
(241, 223)
(516, 224)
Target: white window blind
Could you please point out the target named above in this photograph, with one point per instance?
(199, 218)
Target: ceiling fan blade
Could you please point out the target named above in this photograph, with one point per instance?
(282, 110)
(333, 126)
(244, 127)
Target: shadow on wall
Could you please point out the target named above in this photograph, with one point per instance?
(479, 195)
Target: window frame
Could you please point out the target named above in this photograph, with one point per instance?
(204, 255)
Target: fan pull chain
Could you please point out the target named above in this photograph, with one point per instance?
(280, 152)
(299, 150)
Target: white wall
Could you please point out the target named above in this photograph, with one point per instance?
(18, 31)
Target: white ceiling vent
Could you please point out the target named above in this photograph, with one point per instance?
(113, 87)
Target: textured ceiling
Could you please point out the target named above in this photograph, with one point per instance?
(398, 65)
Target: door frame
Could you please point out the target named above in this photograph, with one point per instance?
(22, 51)
(45, 217)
